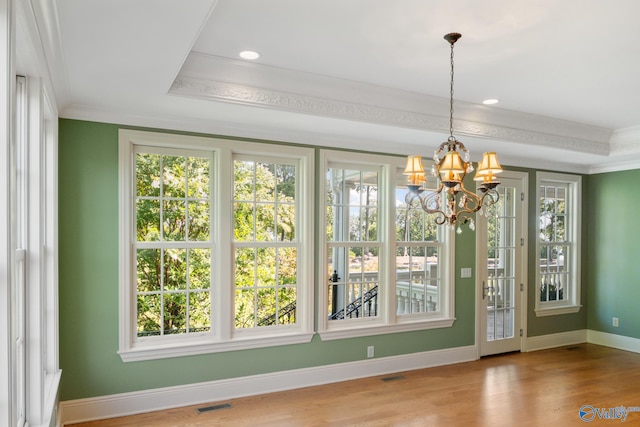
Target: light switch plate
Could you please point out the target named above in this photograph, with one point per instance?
(465, 273)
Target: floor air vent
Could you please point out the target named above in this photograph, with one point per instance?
(396, 378)
(213, 408)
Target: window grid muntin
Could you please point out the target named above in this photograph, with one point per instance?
(164, 244)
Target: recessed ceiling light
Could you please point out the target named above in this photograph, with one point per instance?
(249, 54)
(491, 101)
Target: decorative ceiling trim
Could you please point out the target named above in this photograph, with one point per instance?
(300, 103)
(625, 141)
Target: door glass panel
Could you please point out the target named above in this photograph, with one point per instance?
(501, 256)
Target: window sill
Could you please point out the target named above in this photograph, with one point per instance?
(163, 351)
(558, 310)
(363, 331)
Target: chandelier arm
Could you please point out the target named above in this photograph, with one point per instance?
(431, 204)
(493, 197)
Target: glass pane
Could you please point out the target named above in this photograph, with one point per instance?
(243, 180)
(265, 182)
(332, 232)
(245, 308)
(286, 183)
(286, 222)
(266, 307)
(245, 274)
(147, 220)
(265, 222)
(175, 310)
(148, 270)
(174, 220)
(243, 221)
(266, 267)
(287, 271)
(147, 175)
(199, 312)
(198, 220)
(173, 177)
(149, 315)
(175, 269)
(198, 177)
(199, 269)
(287, 302)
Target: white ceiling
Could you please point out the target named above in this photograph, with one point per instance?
(366, 74)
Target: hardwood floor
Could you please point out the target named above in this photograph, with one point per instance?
(544, 388)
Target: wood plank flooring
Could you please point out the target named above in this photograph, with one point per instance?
(543, 388)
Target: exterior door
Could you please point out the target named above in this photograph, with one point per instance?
(501, 267)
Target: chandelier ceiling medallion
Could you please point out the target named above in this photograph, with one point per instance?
(452, 203)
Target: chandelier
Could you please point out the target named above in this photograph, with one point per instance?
(452, 203)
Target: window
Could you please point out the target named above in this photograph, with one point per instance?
(19, 244)
(385, 264)
(265, 244)
(420, 259)
(558, 246)
(173, 241)
(353, 242)
(34, 286)
(216, 248)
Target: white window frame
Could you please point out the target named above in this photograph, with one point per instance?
(222, 336)
(390, 172)
(573, 207)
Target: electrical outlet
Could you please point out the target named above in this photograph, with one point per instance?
(369, 352)
(615, 322)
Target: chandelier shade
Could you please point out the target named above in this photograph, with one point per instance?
(415, 170)
(451, 202)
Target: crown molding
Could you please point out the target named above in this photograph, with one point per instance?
(625, 141)
(553, 133)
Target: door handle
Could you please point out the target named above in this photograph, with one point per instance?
(485, 289)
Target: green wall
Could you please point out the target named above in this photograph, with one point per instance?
(612, 264)
(88, 292)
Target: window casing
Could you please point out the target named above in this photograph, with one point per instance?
(215, 245)
(383, 267)
(557, 244)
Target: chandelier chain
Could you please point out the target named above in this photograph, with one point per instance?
(451, 137)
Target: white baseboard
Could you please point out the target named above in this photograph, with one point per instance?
(543, 342)
(80, 410)
(612, 340)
